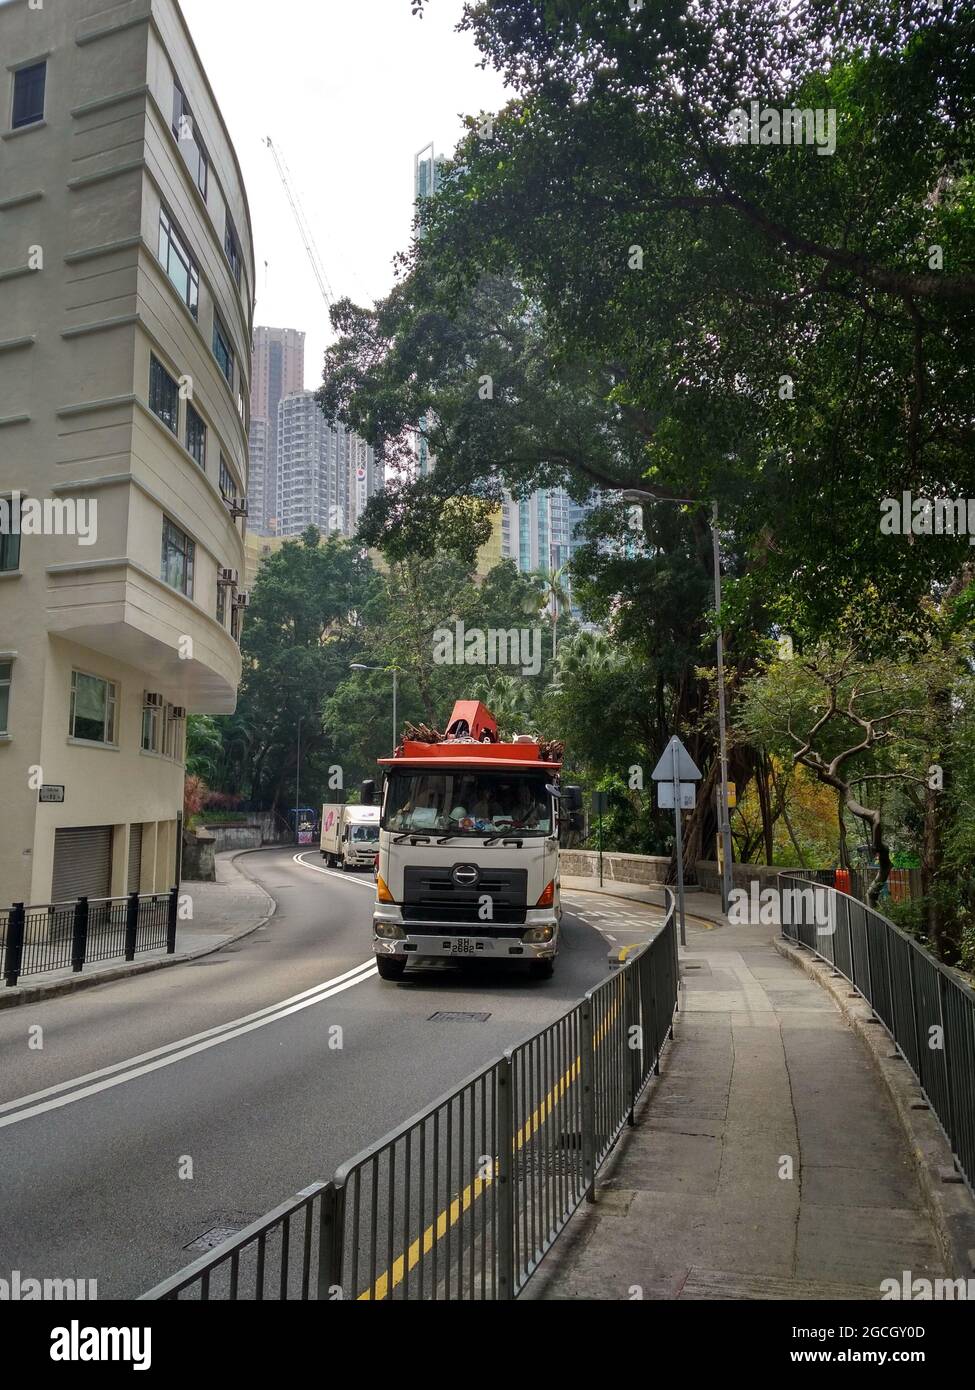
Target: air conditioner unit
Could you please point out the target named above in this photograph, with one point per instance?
(243, 599)
(177, 712)
(153, 701)
(229, 578)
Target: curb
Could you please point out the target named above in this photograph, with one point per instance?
(950, 1204)
(40, 993)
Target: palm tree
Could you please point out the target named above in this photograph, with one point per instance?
(554, 594)
(587, 651)
(509, 700)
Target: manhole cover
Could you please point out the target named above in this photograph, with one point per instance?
(446, 1016)
(224, 1228)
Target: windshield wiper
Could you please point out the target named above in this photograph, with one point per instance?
(414, 839)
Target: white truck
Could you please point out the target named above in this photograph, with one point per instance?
(469, 849)
(350, 835)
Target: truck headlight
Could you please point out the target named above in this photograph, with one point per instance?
(536, 935)
(389, 931)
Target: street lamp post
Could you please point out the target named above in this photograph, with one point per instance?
(358, 666)
(637, 495)
(301, 719)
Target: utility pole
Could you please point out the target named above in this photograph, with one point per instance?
(724, 820)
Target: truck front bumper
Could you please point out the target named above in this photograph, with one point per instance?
(391, 937)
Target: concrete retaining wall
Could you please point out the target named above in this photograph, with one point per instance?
(235, 837)
(623, 868)
(742, 875)
(653, 869)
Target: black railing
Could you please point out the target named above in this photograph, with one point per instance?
(927, 1010)
(37, 940)
(463, 1201)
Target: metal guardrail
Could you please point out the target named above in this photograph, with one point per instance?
(464, 1200)
(926, 1009)
(902, 884)
(34, 940)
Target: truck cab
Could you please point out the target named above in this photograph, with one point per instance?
(468, 851)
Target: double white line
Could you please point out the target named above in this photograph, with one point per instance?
(81, 1087)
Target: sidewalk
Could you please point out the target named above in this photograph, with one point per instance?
(223, 912)
(764, 1077)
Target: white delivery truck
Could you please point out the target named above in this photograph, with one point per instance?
(350, 835)
(469, 849)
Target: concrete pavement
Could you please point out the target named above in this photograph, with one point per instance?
(223, 912)
(766, 1163)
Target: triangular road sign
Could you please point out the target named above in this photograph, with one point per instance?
(687, 771)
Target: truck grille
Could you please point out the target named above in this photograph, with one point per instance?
(431, 895)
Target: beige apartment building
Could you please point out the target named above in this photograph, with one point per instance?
(126, 307)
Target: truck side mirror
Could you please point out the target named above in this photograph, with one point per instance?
(367, 793)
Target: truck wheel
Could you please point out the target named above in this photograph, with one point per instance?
(541, 969)
(389, 968)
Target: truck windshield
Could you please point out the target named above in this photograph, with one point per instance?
(365, 834)
(466, 802)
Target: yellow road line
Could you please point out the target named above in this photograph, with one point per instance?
(449, 1217)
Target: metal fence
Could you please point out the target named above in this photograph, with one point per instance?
(34, 940)
(928, 1011)
(902, 885)
(464, 1200)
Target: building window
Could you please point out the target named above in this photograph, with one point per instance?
(178, 263)
(184, 128)
(235, 623)
(222, 604)
(196, 436)
(222, 350)
(178, 556)
(232, 247)
(9, 538)
(29, 84)
(163, 395)
(94, 706)
(172, 735)
(6, 673)
(228, 488)
(151, 716)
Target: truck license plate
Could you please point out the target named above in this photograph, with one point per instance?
(463, 946)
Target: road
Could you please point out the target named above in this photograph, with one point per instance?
(181, 1104)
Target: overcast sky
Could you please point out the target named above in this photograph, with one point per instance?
(349, 91)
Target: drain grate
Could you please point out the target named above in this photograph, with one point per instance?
(447, 1016)
(226, 1225)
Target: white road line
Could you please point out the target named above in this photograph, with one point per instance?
(334, 873)
(133, 1067)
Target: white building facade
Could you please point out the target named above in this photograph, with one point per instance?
(126, 307)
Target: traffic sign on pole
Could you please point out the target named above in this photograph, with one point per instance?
(665, 796)
(677, 767)
(687, 769)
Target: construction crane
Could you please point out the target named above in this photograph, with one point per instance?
(306, 234)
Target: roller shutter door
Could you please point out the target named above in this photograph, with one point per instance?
(135, 858)
(82, 863)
